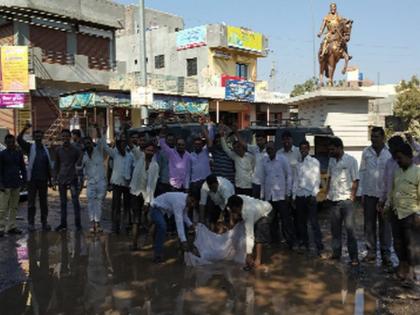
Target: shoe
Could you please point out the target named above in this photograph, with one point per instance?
(1, 233)
(370, 258)
(158, 260)
(61, 227)
(335, 257)
(46, 227)
(98, 228)
(354, 263)
(31, 228)
(14, 231)
(115, 231)
(387, 262)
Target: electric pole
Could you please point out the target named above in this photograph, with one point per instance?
(142, 58)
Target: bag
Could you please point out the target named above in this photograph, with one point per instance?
(229, 246)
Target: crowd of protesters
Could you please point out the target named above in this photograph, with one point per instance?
(272, 191)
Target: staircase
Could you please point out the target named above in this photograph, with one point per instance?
(52, 134)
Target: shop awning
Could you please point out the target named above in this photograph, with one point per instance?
(91, 99)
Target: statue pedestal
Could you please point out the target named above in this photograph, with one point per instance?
(345, 110)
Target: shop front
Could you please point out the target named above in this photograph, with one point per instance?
(172, 108)
(14, 111)
(106, 108)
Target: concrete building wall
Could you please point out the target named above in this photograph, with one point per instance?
(154, 19)
(102, 12)
(221, 66)
(160, 42)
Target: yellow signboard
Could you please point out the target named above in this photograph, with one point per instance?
(244, 39)
(14, 69)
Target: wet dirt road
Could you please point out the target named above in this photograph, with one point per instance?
(76, 273)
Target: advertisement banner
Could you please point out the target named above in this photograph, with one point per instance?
(240, 91)
(95, 99)
(14, 69)
(180, 105)
(191, 38)
(12, 100)
(244, 39)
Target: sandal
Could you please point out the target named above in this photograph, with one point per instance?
(98, 228)
(93, 228)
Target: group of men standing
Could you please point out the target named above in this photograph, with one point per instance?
(273, 191)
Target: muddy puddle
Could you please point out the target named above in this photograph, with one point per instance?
(73, 273)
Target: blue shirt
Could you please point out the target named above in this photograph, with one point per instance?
(200, 165)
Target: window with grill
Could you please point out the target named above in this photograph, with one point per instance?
(159, 61)
(242, 70)
(191, 67)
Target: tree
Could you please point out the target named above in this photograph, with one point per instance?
(308, 86)
(407, 105)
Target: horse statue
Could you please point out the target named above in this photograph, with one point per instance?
(334, 45)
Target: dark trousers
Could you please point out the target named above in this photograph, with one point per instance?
(406, 234)
(74, 190)
(281, 216)
(243, 191)
(137, 203)
(342, 212)
(256, 191)
(40, 188)
(306, 210)
(162, 188)
(195, 188)
(371, 216)
(120, 193)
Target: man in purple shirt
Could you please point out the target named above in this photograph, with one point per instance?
(179, 164)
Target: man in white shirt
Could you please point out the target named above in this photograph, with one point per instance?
(259, 152)
(176, 204)
(120, 180)
(343, 182)
(276, 177)
(257, 216)
(292, 154)
(244, 166)
(214, 195)
(93, 165)
(143, 184)
(372, 169)
(305, 190)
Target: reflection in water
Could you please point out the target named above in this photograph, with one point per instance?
(78, 274)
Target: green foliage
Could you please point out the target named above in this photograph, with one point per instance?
(407, 105)
(308, 86)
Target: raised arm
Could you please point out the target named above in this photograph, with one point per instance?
(225, 148)
(323, 25)
(25, 145)
(205, 131)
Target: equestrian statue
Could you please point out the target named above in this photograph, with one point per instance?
(334, 44)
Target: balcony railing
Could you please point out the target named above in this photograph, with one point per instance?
(99, 63)
(57, 57)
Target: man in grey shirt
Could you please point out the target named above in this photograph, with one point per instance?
(66, 158)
